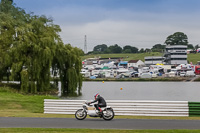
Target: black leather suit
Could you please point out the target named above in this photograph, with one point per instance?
(101, 103)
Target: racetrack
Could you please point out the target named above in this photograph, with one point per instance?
(19, 122)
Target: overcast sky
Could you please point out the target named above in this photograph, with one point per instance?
(139, 23)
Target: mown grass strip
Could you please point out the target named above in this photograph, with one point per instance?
(14, 104)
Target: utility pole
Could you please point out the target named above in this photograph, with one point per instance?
(85, 45)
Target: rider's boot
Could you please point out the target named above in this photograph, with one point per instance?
(100, 112)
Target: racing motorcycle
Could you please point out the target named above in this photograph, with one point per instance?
(87, 109)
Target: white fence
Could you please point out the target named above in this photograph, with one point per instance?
(122, 107)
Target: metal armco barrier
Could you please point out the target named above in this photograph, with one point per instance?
(123, 107)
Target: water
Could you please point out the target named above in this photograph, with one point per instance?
(167, 91)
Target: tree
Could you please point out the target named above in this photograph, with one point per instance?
(158, 48)
(128, 48)
(11, 18)
(30, 45)
(68, 62)
(147, 50)
(127, 51)
(178, 38)
(141, 50)
(190, 46)
(197, 46)
(134, 50)
(115, 49)
(33, 52)
(100, 48)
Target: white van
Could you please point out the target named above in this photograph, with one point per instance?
(190, 74)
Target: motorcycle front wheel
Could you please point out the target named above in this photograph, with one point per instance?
(80, 114)
(108, 114)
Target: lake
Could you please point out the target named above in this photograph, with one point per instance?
(167, 91)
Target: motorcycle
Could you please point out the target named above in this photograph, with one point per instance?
(107, 112)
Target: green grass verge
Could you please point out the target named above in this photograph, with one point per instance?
(140, 56)
(198, 79)
(51, 130)
(14, 104)
(126, 57)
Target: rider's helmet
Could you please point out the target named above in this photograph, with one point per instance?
(96, 96)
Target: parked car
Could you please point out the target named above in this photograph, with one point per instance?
(119, 76)
(190, 74)
(134, 74)
(126, 74)
(145, 75)
(182, 74)
(172, 74)
(154, 75)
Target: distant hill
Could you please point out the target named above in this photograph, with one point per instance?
(140, 56)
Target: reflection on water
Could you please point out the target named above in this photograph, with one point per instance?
(172, 91)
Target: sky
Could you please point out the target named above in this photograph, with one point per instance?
(139, 23)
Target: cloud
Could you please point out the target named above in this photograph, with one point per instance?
(141, 23)
(142, 30)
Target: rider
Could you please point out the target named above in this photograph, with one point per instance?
(101, 102)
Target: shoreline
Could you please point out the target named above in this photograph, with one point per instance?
(161, 79)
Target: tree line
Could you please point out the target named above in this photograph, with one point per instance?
(178, 38)
(30, 46)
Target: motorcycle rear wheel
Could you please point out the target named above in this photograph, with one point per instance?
(80, 114)
(109, 115)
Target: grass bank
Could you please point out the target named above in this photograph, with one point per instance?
(14, 104)
(140, 56)
(42, 130)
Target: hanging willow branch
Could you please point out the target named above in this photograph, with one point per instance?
(30, 45)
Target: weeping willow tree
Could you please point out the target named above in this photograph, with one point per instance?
(68, 62)
(10, 17)
(30, 45)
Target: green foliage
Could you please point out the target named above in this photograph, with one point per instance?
(29, 45)
(115, 49)
(100, 48)
(178, 38)
(130, 49)
(158, 48)
(69, 64)
(190, 46)
(127, 51)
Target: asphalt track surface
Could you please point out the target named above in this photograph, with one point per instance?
(97, 123)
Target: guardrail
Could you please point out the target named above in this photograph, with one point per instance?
(123, 107)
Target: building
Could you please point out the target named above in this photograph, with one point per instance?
(152, 60)
(175, 54)
(135, 63)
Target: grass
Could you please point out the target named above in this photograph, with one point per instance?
(194, 58)
(198, 79)
(52, 130)
(14, 104)
(126, 57)
(140, 56)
